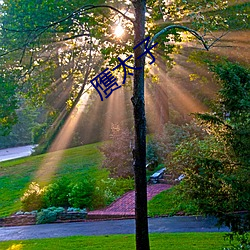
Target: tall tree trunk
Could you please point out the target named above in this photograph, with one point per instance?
(139, 152)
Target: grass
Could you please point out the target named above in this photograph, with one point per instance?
(16, 175)
(170, 241)
(169, 203)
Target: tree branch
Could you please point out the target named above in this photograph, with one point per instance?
(74, 13)
(112, 8)
(218, 38)
(42, 29)
(193, 32)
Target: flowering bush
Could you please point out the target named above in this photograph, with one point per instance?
(33, 197)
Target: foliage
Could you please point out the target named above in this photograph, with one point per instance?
(32, 199)
(65, 193)
(57, 193)
(81, 194)
(216, 168)
(92, 192)
(48, 44)
(103, 193)
(243, 242)
(166, 141)
(234, 107)
(73, 209)
(8, 105)
(61, 193)
(205, 175)
(236, 16)
(108, 190)
(38, 131)
(152, 156)
(48, 215)
(118, 156)
(22, 132)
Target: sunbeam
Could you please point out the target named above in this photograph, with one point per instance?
(51, 161)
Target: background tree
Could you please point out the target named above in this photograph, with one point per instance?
(118, 156)
(216, 168)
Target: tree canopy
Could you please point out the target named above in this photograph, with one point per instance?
(57, 45)
(60, 45)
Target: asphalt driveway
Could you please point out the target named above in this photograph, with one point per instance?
(156, 225)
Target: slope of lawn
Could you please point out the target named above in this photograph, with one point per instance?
(172, 241)
(76, 163)
(16, 175)
(169, 202)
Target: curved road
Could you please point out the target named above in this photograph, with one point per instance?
(17, 152)
(156, 225)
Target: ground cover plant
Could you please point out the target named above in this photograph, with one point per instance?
(171, 241)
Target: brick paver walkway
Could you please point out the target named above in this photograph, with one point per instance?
(125, 205)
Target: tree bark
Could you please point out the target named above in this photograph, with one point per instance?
(139, 151)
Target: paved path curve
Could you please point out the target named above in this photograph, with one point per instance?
(156, 225)
(17, 152)
(125, 206)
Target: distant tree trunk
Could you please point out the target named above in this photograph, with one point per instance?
(139, 151)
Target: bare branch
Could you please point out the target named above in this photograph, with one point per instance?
(72, 37)
(218, 38)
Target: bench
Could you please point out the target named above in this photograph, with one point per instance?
(155, 177)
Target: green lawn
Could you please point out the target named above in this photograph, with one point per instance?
(169, 202)
(170, 241)
(16, 175)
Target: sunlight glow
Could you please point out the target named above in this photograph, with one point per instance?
(119, 31)
(170, 93)
(51, 161)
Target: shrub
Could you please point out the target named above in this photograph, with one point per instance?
(81, 194)
(243, 242)
(33, 197)
(103, 194)
(109, 189)
(123, 185)
(48, 215)
(73, 209)
(57, 193)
